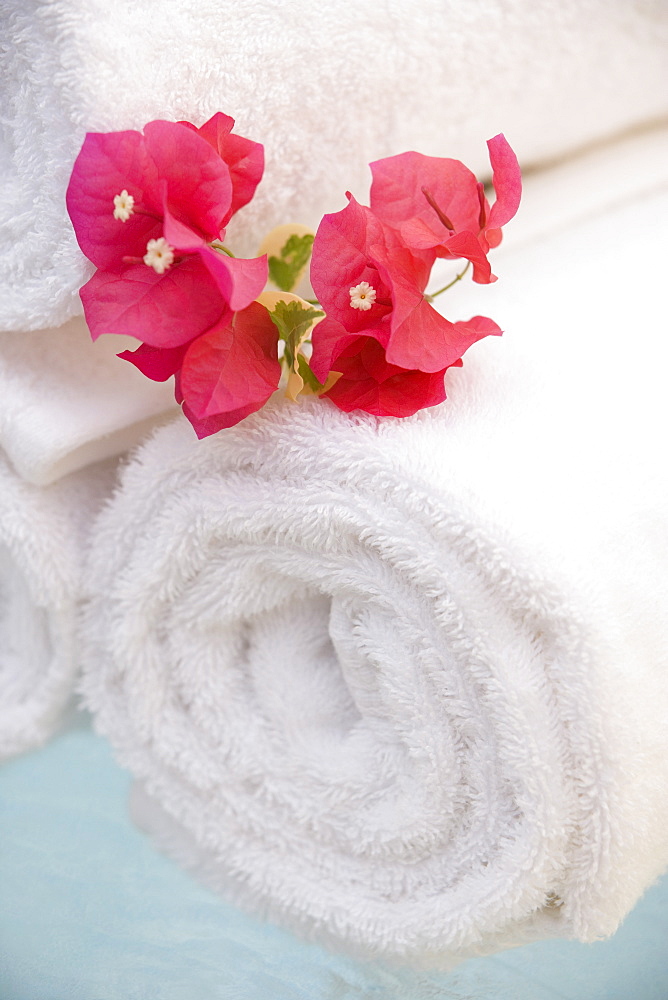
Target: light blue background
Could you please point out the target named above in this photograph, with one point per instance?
(91, 912)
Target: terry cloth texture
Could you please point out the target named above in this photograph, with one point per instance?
(43, 533)
(326, 88)
(66, 402)
(403, 684)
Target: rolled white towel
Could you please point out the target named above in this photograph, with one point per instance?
(43, 533)
(66, 402)
(403, 684)
(327, 88)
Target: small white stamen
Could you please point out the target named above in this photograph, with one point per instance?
(123, 206)
(159, 255)
(362, 296)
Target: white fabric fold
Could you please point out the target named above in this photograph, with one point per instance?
(326, 89)
(403, 684)
(43, 534)
(66, 402)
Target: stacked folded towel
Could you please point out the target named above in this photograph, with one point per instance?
(403, 683)
(66, 403)
(43, 536)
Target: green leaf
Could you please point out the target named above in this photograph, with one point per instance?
(293, 322)
(285, 269)
(308, 376)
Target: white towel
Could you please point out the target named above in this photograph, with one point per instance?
(403, 684)
(66, 402)
(327, 88)
(43, 533)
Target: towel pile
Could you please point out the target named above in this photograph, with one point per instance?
(400, 684)
(403, 684)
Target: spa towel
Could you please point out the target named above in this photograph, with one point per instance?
(403, 684)
(43, 533)
(66, 402)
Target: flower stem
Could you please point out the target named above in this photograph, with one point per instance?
(219, 246)
(453, 282)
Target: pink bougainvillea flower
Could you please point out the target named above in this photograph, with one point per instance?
(368, 381)
(438, 204)
(365, 277)
(223, 375)
(146, 209)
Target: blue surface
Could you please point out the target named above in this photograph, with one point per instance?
(91, 912)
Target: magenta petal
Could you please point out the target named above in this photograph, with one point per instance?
(156, 363)
(468, 246)
(370, 383)
(162, 310)
(400, 395)
(244, 158)
(507, 181)
(216, 130)
(401, 266)
(205, 426)
(108, 164)
(429, 341)
(240, 280)
(330, 338)
(418, 235)
(233, 366)
(178, 234)
(325, 338)
(424, 339)
(478, 327)
(397, 191)
(199, 188)
(420, 337)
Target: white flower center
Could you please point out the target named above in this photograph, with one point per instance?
(123, 206)
(362, 296)
(159, 255)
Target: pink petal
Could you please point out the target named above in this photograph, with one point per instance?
(422, 338)
(234, 366)
(478, 327)
(402, 265)
(370, 383)
(429, 341)
(418, 235)
(507, 179)
(397, 191)
(162, 310)
(108, 164)
(157, 363)
(177, 233)
(329, 339)
(205, 426)
(468, 246)
(400, 395)
(244, 158)
(240, 280)
(199, 188)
